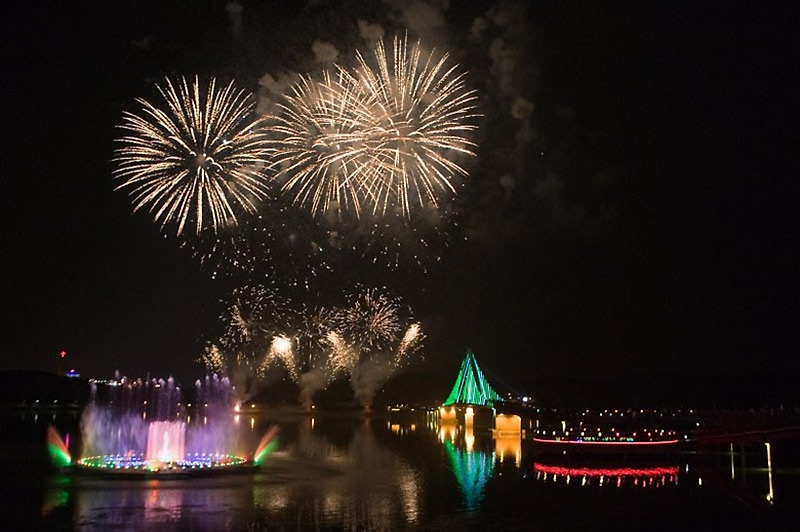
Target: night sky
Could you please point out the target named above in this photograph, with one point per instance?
(631, 208)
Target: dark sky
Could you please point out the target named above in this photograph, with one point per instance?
(631, 207)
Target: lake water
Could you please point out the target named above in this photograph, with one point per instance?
(389, 472)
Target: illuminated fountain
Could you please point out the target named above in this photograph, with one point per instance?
(142, 428)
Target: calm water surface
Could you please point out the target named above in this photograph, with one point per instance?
(331, 472)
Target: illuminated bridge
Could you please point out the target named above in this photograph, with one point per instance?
(471, 387)
(472, 400)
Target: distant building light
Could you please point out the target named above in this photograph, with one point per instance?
(73, 373)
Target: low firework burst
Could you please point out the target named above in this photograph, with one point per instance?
(371, 321)
(254, 316)
(281, 351)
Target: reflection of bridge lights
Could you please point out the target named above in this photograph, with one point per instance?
(507, 447)
(469, 438)
(447, 432)
(472, 470)
(638, 477)
(733, 469)
(771, 493)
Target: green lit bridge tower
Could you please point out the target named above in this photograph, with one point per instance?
(472, 399)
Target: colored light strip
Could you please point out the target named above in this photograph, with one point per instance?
(138, 463)
(611, 443)
(607, 472)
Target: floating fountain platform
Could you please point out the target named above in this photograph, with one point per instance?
(143, 431)
(165, 457)
(136, 466)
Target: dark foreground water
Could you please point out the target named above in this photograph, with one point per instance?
(332, 472)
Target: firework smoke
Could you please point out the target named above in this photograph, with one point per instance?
(254, 318)
(368, 344)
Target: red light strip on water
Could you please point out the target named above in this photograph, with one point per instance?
(600, 472)
(617, 443)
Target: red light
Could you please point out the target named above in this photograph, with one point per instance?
(617, 443)
(63, 354)
(606, 472)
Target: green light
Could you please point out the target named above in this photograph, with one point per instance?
(58, 456)
(471, 386)
(266, 451)
(472, 470)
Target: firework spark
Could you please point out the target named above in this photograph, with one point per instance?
(281, 351)
(382, 138)
(197, 161)
(411, 339)
(342, 359)
(371, 321)
(312, 338)
(213, 359)
(255, 315)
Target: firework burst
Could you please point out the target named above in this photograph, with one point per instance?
(281, 351)
(371, 321)
(343, 358)
(382, 139)
(255, 314)
(199, 160)
(411, 340)
(318, 132)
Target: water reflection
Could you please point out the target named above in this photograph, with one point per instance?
(472, 470)
(771, 492)
(472, 466)
(351, 472)
(157, 504)
(314, 482)
(508, 447)
(639, 477)
(752, 468)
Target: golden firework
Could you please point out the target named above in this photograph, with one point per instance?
(198, 160)
(382, 138)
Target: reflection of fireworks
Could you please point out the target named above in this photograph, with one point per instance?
(197, 161)
(380, 139)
